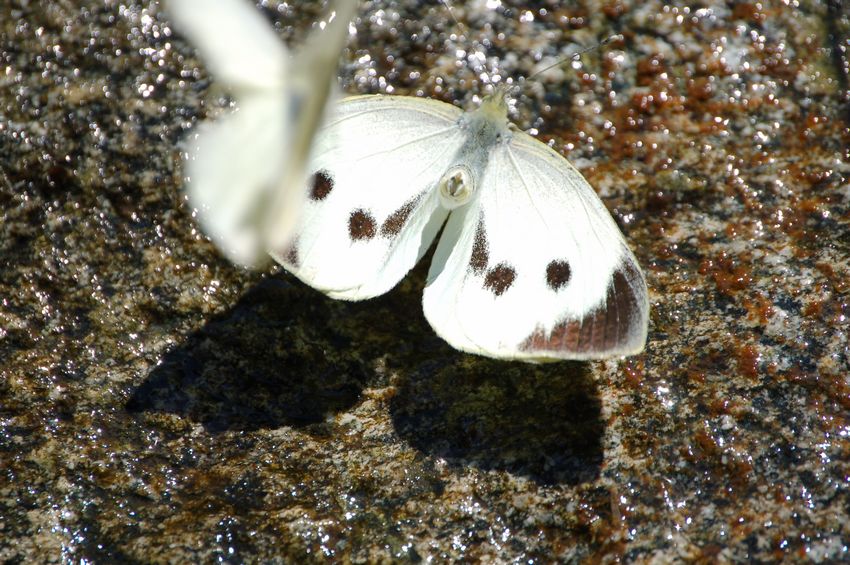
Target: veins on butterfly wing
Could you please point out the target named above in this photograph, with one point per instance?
(607, 328)
(528, 191)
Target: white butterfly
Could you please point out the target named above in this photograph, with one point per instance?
(246, 171)
(530, 265)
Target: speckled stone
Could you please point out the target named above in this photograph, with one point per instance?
(158, 404)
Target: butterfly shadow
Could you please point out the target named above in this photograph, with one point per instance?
(284, 355)
(273, 359)
(543, 422)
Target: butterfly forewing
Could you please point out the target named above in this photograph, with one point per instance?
(371, 211)
(536, 268)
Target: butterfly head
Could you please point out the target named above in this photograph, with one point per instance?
(495, 105)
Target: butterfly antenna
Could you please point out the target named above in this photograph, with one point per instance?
(573, 57)
(451, 12)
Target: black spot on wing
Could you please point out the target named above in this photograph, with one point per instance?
(290, 254)
(499, 278)
(558, 274)
(603, 329)
(361, 225)
(321, 184)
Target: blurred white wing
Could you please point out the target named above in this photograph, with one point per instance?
(536, 268)
(236, 42)
(231, 170)
(372, 211)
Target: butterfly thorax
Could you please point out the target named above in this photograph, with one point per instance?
(485, 129)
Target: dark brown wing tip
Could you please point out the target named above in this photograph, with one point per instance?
(617, 327)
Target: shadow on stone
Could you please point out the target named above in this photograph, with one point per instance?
(542, 422)
(286, 356)
(274, 359)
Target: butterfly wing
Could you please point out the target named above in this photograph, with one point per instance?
(312, 84)
(371, 212)
(237, 44)
(536, 268)
(230, 167)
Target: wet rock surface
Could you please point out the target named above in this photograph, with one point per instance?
(157, 403)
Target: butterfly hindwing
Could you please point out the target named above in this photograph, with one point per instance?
(535, 268)
(371, 210)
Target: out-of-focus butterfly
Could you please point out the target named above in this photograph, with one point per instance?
(247, 170)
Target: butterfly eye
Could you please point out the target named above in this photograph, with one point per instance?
(456, 187)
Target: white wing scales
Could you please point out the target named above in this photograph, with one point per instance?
(532, 268)
(535, 268)
(312, 84)
(372, 212)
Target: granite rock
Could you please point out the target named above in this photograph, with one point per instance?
(159, 404)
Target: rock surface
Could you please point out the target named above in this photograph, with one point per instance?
(157, 404)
